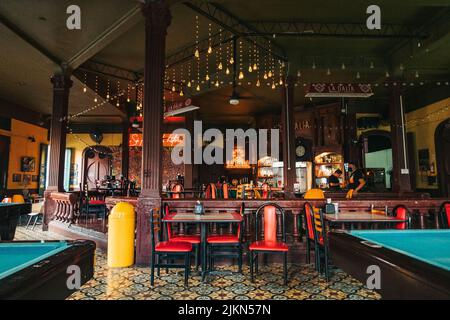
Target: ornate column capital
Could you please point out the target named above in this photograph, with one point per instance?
(157, 16)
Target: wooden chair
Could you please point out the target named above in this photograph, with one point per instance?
(167, 250)
(401, 212)
(444, 215)
(308, 211)
(270, 244)
(194, 240)
(229, 245)
(321, 243)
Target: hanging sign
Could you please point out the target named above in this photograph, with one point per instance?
(339, 90)
(179, 107)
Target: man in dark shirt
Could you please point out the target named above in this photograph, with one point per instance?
(356, 179)
(333, 181)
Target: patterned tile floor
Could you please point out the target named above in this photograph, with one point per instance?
(134, 283)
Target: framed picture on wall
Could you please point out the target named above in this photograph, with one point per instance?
(17, 177)
(28, 164)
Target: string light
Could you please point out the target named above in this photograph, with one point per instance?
(96, 88)
(128, 93)
(85, 83)
(210, 50)
(241, 73)
(256, 55)
(189, 84)
(197, 52)
(107, 90)
(118, 90)
(220, 66)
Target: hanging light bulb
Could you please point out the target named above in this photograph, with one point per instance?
(95, 99)
(255, 66)
(117, 103)
(281, 82)
(299, 74)
(197, 54)
(270, 74)
(198, 88)
(181, 93)
(250, 69)
(210, 50)
(227, 71)
(220, 66)
(241, 75)
(128, 100)
(328, 72)
(189, 84)
(273, 85)
(343, 66)
(84, 89)
(217, 83)
(231, 60)
(387, 74)
(207, 77)
(265, 76)
(416, 74)
(358, 75)
(258, 83)
(173, 88)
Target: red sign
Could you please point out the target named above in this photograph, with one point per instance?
(169, 140)
(339, 90)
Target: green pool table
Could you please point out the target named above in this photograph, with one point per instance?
(9, 218)
(39, 270)
(414, 264)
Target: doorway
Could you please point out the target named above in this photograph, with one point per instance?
(96, 165)
(442, 143)
(4, 161)
(377, 158)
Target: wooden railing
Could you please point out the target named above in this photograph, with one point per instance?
(61, 207)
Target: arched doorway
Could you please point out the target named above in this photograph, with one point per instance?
(96, 165)
(377, 156)
(442, 143)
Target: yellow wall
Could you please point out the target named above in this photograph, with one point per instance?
(20, 147)
(80, 141)
(423, 122)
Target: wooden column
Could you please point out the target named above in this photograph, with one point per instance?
(288, 137)
(125, 148)
(401, 181)
(189, 168)
(352, 149)
(157, 19)
(61, 88)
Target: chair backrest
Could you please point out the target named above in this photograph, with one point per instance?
(242, 212)
(211, 191)
(401, 212)
(155, 227)
(444, 213)
(319, 228)
(265, 191)
(6, 200)
(309, 218)
(18, 198)
(168, 226)
(314, 194)
(225, 190)
(177, 188)
(270, 212)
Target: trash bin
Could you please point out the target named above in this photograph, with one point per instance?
(121, 228)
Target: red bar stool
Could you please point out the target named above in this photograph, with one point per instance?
(270, 243)
(401, 212)
(229, 245)
(194, 240)
(167, 250)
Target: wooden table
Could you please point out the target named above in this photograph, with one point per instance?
(203, 220)
(359, 217)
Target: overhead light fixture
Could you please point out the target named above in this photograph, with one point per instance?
(387, 74)
(343, 66)
(234, 99)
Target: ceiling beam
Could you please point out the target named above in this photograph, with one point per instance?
(335, 30)
(118, 28)
(231, 23)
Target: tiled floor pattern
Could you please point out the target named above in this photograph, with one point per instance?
(134, 283)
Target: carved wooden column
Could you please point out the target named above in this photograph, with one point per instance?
(125, 148)
(288, 137)
(61, 88)
(401, 181)
(352, 149)
(157, 19)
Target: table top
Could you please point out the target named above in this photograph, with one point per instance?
(208, 217)
(359, 217)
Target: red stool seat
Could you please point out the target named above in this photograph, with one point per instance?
(187, 238)
(223, 239)
(97, 202)
(268, 246)
(170, 246)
